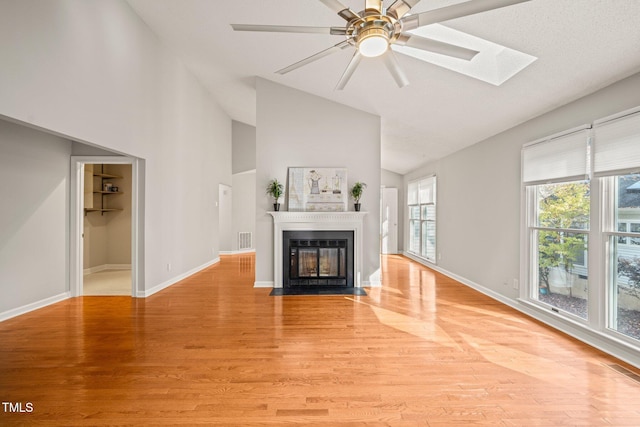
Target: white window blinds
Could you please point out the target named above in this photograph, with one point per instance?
(617, 143)
(412, 193)
(428, 190)
(563, 156)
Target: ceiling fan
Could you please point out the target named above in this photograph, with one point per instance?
(376, 31)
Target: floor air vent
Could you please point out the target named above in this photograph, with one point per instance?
(626, 372)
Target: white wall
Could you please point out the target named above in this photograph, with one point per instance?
(93, 71)
(244, 181)
(244, 147)
(244, 206)
(34, 172)
(294, 128)
(225, 209)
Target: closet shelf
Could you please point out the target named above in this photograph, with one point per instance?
(106, 175)
(87, 210)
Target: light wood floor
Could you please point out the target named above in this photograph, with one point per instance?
(212, 350)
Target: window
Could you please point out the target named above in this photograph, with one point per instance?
(421, 199)
(624, 274)
(560, 233)
(583, 262)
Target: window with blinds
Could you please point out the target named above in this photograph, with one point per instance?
(572, 252)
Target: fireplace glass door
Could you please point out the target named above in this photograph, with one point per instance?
(318, 261)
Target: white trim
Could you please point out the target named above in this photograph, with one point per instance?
(5, 315)
(245, 172)
(605, 343)
(372, 283)
(76, 221)
(263, 284)
(558, 135)
(237, 252)
(174, 280)
(617, 116)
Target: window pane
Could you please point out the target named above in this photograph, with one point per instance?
(414, 236)
(562, 270)
(414, 212)
(429, 212)
(627, 209)
(622, 227)
(625, 253)
(626, 292)
(564, 205)
(429, 240)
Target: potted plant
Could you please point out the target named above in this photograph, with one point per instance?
(356, 192)
(275, 190)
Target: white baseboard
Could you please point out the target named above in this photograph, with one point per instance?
(263, 284)
(174, 280)
(371, 284)
(33, 306)
(103, 267)
(242, 251)
(605, 343)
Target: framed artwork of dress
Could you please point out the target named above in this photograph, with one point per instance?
(317, 189)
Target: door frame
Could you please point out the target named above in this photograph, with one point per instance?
(76, 213)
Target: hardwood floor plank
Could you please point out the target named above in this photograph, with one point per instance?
(212, 350)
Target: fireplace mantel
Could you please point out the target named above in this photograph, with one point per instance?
(348, 221)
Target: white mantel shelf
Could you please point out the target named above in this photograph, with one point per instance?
(339, 221)
(286, 216)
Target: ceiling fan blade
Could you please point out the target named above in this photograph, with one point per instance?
(435, 46)
(312, 58)
(373, 6)
(458, 10)
(349, 71)
(343, 11)
(288, 29)
(394, 68)
(399, 8)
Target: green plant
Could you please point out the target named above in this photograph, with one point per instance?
(356, 191)
(275, 189)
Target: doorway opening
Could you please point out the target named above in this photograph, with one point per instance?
(107, 229)
(389, 221)
(105, 241)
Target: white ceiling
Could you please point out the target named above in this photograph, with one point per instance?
(581, 46)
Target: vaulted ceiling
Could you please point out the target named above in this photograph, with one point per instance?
(580, 46)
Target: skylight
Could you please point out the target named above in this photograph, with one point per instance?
(494, 64)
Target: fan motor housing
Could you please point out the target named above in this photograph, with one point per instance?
(379, 26)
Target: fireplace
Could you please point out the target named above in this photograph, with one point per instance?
(349, 222)
(317, 258)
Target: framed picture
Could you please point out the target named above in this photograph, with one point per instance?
(317, 189)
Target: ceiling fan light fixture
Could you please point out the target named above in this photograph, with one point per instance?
(373, 42)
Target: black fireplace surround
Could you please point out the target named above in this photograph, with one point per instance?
(317, 258)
